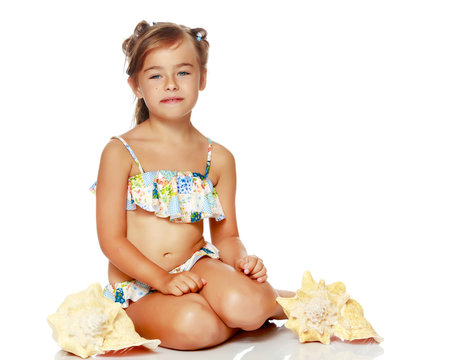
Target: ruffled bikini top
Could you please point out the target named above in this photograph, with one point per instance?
(184, 196)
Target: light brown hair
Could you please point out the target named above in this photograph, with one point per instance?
(147, 37)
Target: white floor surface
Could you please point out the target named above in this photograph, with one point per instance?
(273, 341)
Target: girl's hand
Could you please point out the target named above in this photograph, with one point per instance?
(181, 283)
(253, 267)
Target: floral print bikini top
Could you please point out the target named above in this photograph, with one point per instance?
(184, 196)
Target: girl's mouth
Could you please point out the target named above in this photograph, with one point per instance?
(173, 100)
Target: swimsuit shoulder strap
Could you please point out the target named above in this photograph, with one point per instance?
(131, 152)
(208, 162)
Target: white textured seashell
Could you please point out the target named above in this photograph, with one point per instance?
(319, 311)
(87, 323)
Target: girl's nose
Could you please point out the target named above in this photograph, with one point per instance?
(171, 84)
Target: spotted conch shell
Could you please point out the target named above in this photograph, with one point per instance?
(87, 323)
(318, 311)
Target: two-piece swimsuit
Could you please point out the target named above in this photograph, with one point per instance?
(184, 197)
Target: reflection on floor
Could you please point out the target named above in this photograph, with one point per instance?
(273, 341)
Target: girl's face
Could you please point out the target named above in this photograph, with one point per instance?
(170, 80)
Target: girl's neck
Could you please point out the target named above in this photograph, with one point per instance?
(170, 130)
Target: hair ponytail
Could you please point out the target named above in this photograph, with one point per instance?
(141, 113)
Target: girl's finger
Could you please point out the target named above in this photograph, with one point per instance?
(243, 265)
(240, 265)
(183, 287)
(191, 284)
(262, 279)
(259, 274)
(252, 261)
(195, 279)
(177, 292)
(258, 267)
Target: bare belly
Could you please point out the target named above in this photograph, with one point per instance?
(165, 243)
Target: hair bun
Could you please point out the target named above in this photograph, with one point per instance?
(203, 33)
(141, 28)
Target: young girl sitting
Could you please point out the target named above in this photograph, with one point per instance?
(156, 184)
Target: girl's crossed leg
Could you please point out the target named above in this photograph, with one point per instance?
(228, 302)
(184, 322)
(238, 300)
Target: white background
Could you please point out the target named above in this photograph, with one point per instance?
(337, 113)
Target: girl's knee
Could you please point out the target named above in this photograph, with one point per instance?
(196, 326)
(183, 323)
(248, 307)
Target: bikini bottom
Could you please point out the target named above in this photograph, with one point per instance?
(134, 290)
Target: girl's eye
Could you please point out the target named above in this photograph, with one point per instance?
(182, 73)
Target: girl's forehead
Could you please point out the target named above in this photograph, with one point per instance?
(176, 53)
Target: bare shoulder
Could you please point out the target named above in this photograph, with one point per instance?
(222, 159)
(116, 155)
(221, 153)
(114, 147)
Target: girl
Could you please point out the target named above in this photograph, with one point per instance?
(156, 183)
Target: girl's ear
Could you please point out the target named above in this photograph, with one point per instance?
(203, 79)
(135, 87)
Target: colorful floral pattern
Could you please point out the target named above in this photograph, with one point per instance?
(184, 184)
(183, 196)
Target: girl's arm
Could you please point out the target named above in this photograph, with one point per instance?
(112, 181)
(224, 233)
